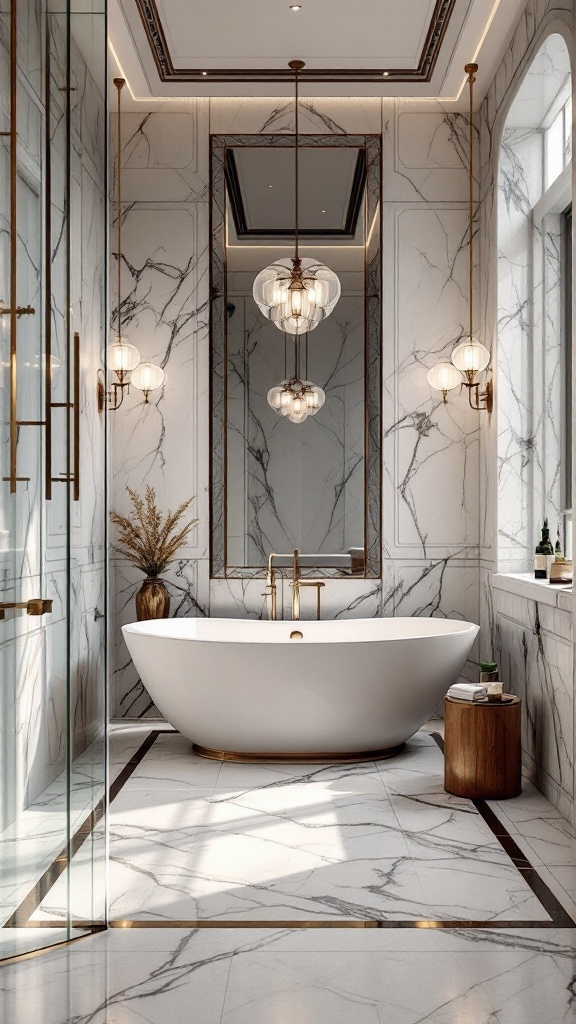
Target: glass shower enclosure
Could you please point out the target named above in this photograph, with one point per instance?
(53, 713)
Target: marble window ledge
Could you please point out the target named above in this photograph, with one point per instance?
(524, 585)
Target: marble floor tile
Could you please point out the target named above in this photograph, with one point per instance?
(551, 840)
(192, 839)
(307, 976)
(300, 842)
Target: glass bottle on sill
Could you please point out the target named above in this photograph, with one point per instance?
(544, 552)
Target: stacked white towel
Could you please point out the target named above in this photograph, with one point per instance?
(467, 691)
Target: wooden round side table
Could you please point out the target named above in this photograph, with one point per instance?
(483, 748)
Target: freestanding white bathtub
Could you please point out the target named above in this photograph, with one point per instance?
(242, 689)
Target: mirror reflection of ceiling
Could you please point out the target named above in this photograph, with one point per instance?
(260, 184)
(375, 47)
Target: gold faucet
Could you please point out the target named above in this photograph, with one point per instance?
(296, 586)
(272, 587)
(297, 583)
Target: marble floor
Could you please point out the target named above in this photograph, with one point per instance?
(39, 833)
(309, 894)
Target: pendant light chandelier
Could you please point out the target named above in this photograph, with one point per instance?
(469, 357)
(295, 397)
(296, 294)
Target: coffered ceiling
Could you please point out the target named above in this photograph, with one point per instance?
(351, 47)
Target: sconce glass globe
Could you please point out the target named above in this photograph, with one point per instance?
(296, 294)
(444, 377)
(122, 357)
(147, 377)
(470, 357)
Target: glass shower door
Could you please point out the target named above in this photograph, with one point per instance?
(52, 502)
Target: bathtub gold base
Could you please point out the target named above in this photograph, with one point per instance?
(351, 757)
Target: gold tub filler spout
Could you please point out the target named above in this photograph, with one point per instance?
(297, 583)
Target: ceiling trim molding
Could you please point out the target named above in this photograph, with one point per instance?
(168, 73)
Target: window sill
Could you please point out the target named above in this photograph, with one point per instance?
(524, 585)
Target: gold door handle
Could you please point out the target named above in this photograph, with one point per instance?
(35, 606)
(76, 407)
(74, 477)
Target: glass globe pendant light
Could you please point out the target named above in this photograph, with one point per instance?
(295, 397)
(296, 294)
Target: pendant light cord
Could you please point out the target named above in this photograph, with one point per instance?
(296, 167)
(471, 70)
(296, 66)
(119, 83)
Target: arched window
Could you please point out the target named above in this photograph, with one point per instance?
(534, 309)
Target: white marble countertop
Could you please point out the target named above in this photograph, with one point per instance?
(524, 585)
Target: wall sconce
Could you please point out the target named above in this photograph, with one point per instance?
(470, 357)
(123, 358)
(124, 362)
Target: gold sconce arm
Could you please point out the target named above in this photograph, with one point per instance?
(483, 400)
(35, 606)
(109, 399)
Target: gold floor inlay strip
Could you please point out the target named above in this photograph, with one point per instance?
(335, 924)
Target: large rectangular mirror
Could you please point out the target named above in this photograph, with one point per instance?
(277, 484)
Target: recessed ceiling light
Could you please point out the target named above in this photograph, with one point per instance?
(385, 73)
(322, 211)
(270, 186)
(295, 7)
(204, 72)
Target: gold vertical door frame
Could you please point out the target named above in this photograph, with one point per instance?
(14, 311)
(72, 404)
(13, 244)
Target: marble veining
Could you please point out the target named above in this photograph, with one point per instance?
(295, 842)
(428, 550)
(378, 818)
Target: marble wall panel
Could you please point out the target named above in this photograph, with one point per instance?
(519, 455)
(536, 664)
(429, 448)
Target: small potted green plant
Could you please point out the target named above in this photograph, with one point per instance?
(150, 543)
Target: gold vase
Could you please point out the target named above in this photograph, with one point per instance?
(152, 600)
